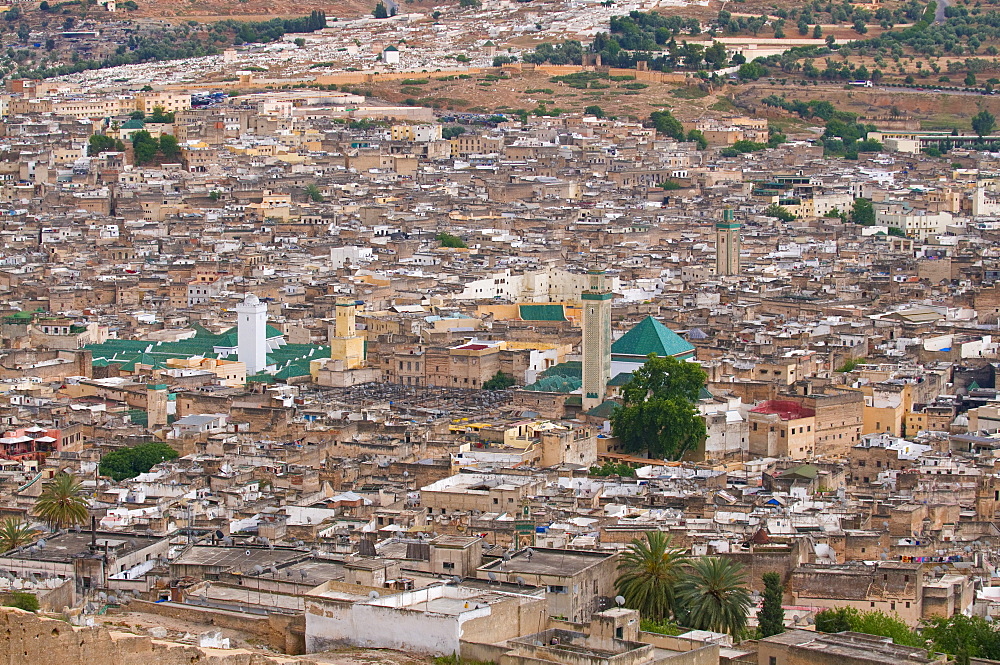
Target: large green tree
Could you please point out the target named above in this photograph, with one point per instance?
(60, 503)
(144, 147)
(713, 596)
(863, 212)
(771, 617)
(169, 147)
(500, 381)
(130, 462)
(99, 143)
(648, 574)
(666, 124)
(963, 636)
(983, 123)
(873, 622)
(657, 414)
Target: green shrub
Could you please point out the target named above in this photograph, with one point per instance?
(22, 601)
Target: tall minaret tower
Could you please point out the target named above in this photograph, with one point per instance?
(251, 333)
(596, 339)
(727, 245)
(346, 345)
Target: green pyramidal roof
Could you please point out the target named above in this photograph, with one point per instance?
(651, 336)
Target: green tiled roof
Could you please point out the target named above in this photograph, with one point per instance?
(562, 378)
(541, 313)
(293, 369)
(289, 360)
(620, 379)
(651, 336)
(604, 409)
(807, 471)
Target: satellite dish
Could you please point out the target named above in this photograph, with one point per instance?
(273, 570)
(373, 595)
(219, 535)
(247, 552)
(258, 570)
(492, 576)
(988, 618)
(520, 580)
(455, 579)
(620, 600)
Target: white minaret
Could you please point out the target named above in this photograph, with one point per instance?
(251, 334)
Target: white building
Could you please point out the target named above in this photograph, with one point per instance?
(549, 285)
(251, 334)
(432, 620)
(918, 224)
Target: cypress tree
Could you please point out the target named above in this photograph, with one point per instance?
(771, 617)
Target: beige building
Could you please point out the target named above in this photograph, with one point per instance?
(577, 583)
(807, 647)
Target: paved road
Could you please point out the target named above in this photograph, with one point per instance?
(914, 91)
(939, 14)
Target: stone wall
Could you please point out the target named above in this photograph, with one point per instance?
(284, 633)
(27, 638)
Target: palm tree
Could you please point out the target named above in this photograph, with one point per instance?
(60, 503)
(14, 533)
(648, 573)
(713, 595)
